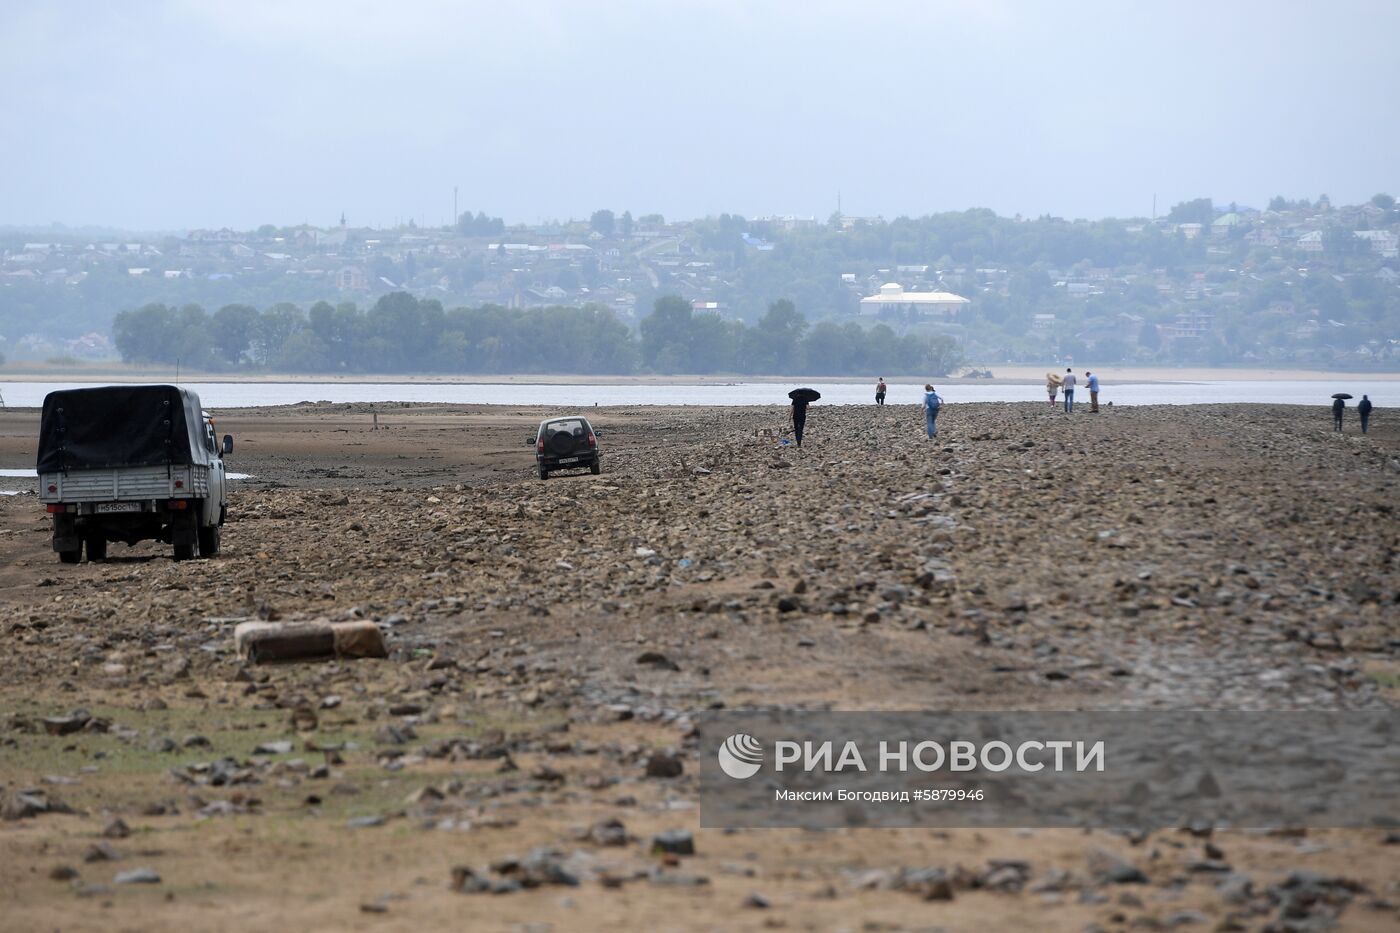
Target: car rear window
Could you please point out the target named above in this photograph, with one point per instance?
(571, 426)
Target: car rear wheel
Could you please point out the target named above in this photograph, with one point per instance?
(70, 557)
(544, 474)
(595, 467)
(96, 548)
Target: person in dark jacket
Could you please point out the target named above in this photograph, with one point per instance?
(1339, 408)
(799, 418)
(1363, 408)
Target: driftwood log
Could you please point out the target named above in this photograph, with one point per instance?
(316, 640)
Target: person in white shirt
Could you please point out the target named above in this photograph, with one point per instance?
(1067, 384)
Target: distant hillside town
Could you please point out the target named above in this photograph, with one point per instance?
(1298, 282)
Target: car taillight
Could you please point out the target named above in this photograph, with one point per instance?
(539, 445)
(178, 504)
(592, 441)
(56, 506)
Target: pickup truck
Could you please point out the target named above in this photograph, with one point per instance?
(130, 464)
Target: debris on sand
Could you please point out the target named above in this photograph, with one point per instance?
(674, 842)
(25, 804)
(541, 867)
(137, 876)
(317, 640)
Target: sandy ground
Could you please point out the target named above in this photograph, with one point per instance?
(513, 712)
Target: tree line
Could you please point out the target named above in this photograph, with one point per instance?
(404, 334)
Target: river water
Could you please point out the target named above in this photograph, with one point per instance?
(9, 478)
(258, 394)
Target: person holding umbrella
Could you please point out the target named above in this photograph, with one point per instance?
(801, 398)
(1363, 408)
(1339, 407)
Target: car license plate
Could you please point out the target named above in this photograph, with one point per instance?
(117, 507)
(569, 460)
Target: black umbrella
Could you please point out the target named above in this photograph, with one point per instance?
(804, 395)
(1341, 395)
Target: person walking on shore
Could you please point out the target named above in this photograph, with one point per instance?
(1363, 408)
(1067, 383)
(1052, 388)
(880, 391)
(931, 405)
(1339, 408)
(798, 413)
(1093, 391)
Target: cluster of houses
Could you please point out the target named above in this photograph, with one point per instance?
(1245, 252)
(574, 264)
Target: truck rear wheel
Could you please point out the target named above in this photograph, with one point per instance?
(96, 547)
(184, 531)
(209, 541)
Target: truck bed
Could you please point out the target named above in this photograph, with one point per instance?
(125, 484)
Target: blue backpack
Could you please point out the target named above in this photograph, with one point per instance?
(932, 401)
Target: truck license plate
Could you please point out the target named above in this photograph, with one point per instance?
(117, 507)
(568, 460)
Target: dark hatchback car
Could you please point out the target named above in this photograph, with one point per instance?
(567, 444)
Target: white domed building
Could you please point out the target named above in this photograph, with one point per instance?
(893, 298)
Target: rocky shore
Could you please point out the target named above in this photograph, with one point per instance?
(529, 732)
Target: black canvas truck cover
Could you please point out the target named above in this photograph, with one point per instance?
(121, 426)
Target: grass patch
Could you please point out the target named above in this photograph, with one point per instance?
(229, 731)
(127, 768)
(1387, 680)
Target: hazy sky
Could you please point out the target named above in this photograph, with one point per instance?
(200, 113)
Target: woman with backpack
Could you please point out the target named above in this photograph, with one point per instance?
(931, 405)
